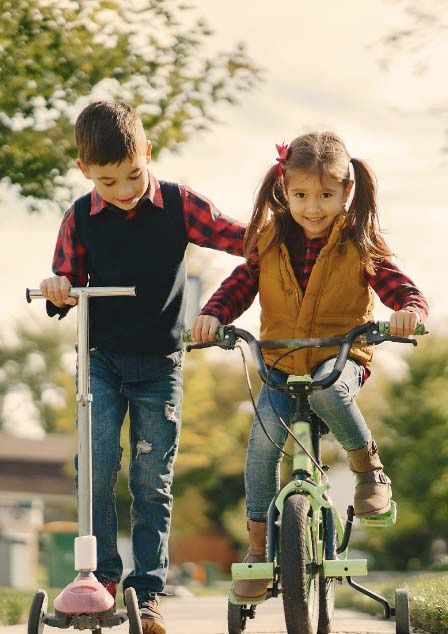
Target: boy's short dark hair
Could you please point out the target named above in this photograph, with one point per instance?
(106, 132)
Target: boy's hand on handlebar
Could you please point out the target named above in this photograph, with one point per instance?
(204, 328)
(404, 322)
(56, 289)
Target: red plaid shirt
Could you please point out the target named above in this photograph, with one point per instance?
(205, 226)
(239, 290)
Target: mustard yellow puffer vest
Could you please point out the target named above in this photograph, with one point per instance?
(336, 299)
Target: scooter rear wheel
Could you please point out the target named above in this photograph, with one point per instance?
(38, 610)
(130, 599)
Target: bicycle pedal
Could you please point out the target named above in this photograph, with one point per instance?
(385, 519)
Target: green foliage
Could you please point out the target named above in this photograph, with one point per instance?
(32, 367)
(429, 604)
(56, 56)
(15, 604)
(414, 448)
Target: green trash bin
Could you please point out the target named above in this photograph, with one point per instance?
(58, 546)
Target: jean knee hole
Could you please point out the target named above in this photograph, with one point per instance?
(170, 413)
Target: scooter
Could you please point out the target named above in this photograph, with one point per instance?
(84, 604)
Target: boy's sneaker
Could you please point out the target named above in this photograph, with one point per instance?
(152, 620)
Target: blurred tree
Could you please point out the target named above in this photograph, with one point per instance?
(420, 39)
(424, 22)
(55, 57)
(33, 373)
(413, 438)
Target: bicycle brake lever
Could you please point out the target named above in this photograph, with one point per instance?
(374, 338)
(228, 343)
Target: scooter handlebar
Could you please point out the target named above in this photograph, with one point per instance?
(89, 291)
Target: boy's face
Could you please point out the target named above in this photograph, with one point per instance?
(122, 184)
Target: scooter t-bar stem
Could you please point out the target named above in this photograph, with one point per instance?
(85, 544)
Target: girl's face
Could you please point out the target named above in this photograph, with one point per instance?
(315, 204)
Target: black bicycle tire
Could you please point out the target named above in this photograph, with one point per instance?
(327, 585)
(37, 612)
(402, 615)
(298, 584)
(327, 590)
(236, 620)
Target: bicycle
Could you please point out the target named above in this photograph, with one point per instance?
(307, 540)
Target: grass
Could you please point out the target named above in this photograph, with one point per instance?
(15, 604)
(428, 594)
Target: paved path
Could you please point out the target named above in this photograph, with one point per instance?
(207, 615)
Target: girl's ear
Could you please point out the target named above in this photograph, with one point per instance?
(148, 150)
(347, 189)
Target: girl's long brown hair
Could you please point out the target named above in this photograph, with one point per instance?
(323, 153)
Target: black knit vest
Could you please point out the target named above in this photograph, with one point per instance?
(147, 252)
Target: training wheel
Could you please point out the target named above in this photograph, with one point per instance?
(37, 612)
(402, 620)
(130, 599)
(237, 616)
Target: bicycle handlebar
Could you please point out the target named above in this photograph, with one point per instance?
(372, 333)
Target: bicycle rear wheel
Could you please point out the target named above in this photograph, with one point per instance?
(298, 567)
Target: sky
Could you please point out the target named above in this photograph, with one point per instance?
(322, 69)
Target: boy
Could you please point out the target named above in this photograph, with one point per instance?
(132, 230)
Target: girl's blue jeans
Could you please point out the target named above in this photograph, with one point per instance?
(335, 405)
(150, 387)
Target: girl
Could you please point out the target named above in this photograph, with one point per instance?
(314, 259)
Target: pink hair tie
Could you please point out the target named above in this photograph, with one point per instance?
(281, 159)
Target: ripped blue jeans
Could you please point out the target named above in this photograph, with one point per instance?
(150, 387)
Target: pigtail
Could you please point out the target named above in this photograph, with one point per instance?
(362, 218)
(270, 197)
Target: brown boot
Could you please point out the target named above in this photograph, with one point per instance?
(255, 588)
(373, 492)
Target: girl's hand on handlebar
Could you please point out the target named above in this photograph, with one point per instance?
(56, 289)
(404, 322)
(204, 328)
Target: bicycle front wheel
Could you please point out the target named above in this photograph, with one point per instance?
(327, 584)
(298, 566)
